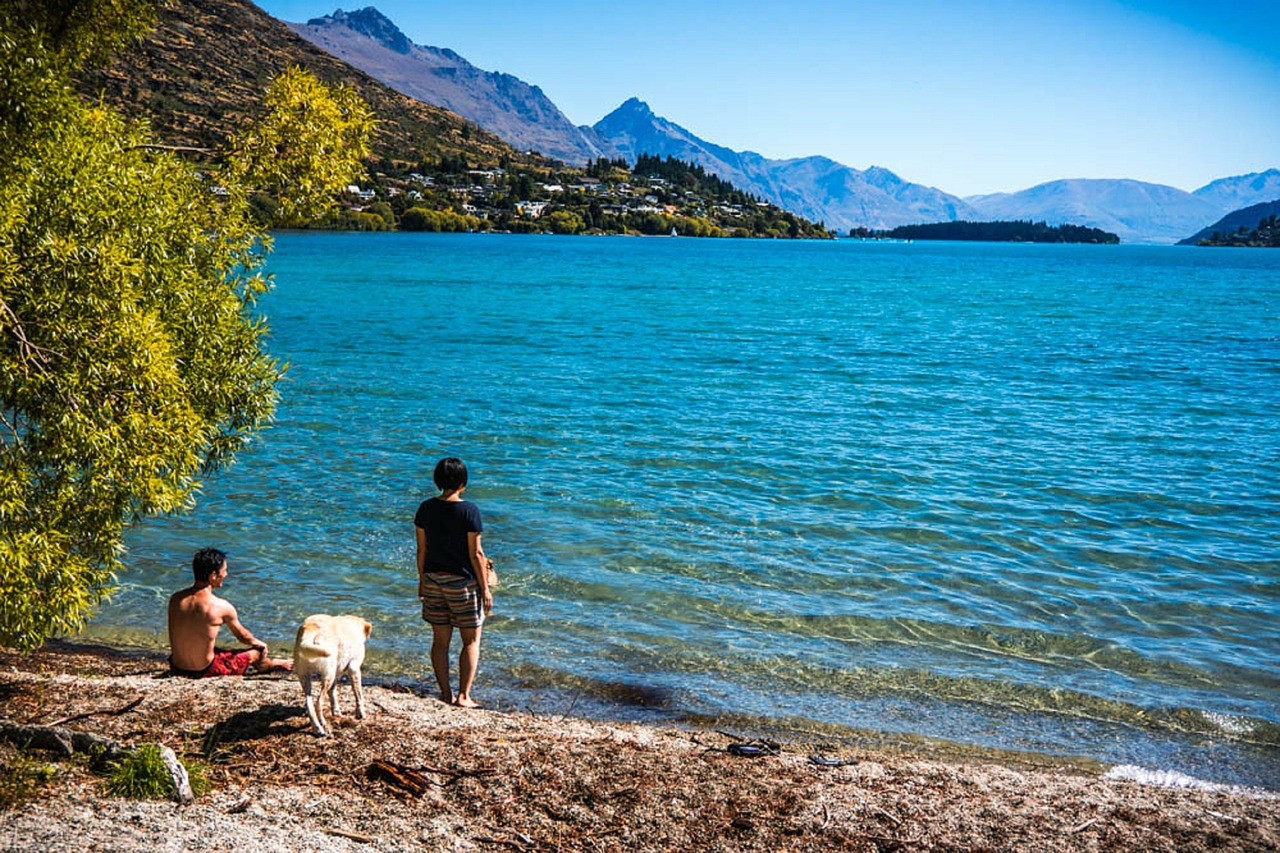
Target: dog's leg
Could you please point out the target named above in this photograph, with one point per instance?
(358, 689)
(315, 713)
(332, 688)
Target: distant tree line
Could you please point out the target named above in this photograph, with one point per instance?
(1017, 231)
(605, 168)
(689, 176)
(1266, 235)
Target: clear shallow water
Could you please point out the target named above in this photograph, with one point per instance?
(1024, 497)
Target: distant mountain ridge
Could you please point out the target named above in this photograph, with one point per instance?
(1133, 210)
(502, 104)
(1136, 211)
(1241, 191)
(817, 188)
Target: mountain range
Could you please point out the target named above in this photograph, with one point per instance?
(1132, 210)
(817, 188)
(823, 190)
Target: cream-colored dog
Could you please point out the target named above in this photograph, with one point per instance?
(327, 648)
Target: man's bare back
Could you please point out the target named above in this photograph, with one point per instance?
(196, 615)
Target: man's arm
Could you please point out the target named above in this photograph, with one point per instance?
(239, 631)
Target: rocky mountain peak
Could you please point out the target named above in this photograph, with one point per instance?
(881, 177)
(633, 106)
(369, 22)
(503, 104)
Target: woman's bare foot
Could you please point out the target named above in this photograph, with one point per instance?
(466, 702)
(446, 698)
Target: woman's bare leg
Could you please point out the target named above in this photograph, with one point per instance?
(440, 636)
(468, 663)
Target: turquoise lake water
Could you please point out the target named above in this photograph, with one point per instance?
(1018, 497)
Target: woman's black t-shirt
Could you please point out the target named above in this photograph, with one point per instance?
(446, 524)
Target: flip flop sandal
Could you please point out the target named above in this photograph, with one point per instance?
(823, 761)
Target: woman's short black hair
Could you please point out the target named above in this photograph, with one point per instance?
(450, 475)
(206, 563)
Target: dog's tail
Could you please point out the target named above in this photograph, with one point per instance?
(305, 643)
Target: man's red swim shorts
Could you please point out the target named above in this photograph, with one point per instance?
(227, 662)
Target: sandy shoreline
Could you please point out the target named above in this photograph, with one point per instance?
(502, 780)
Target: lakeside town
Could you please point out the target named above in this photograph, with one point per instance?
(655, 197)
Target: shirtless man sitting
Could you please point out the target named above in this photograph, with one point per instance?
(196, 615)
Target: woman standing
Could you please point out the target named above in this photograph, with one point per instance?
(453, 582)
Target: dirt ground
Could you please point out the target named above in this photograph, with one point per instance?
(418, 774)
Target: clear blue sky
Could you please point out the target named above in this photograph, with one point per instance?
(967, 97)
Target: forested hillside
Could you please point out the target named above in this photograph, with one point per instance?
(1252, 226)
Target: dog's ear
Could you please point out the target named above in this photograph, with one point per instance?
(367, 630)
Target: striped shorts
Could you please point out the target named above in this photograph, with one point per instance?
(451, 600)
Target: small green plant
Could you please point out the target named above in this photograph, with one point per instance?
(198, 775)
(21, 778)
(142, 775)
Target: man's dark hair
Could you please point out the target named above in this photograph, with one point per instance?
(206, 563)
(450, 474)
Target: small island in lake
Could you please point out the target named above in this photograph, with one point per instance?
(992, 232)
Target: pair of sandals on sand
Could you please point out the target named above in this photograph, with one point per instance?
(760, 748)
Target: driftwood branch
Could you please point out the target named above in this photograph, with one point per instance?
(889, 841)
(178, 774)
(891, 818)
(400, 776)
(354, 836)
(62, 741)
(1082, 827)
(109, 712)
(520, 842)
(414, 779)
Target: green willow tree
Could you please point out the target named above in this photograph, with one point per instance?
(131, 358)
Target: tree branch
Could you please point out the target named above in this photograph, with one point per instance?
(156, 146)
(28, 351)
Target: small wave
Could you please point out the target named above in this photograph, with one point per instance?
(1236, 726)
(1174, 779)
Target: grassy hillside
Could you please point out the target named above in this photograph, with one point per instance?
(207, 63)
